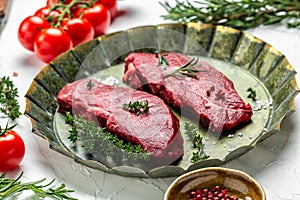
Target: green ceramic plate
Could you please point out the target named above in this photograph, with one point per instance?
(245, 59)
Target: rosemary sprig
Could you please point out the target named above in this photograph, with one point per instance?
(162, 60)
(252, 93)
(241, 14)
(191, 131)
(187, 69)
(137, 107)
(8, 95)
(12, 187)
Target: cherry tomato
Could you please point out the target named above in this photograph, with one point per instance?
(98, 16)
(111, 5)
(51, 42)
(12, 150)
(80, 30)
(45, 12)
(29, 29)
(50, 15)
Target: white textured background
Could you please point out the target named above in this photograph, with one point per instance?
(275, 163)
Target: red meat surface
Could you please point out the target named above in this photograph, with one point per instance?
(210, 97)
(156, 130)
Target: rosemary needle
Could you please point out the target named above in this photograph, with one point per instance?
(240, 14)
(187, 69)
(12, 187)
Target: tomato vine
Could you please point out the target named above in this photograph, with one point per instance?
(64, 24)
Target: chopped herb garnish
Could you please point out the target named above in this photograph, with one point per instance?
(10, 188)
(191, 131)
(252, 93)
(162, 60)
(137, 107)
(188, 69)
(90, 84)
(8, 102)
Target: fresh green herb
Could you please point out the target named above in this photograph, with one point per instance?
(162, 60)
(8, 95)
(90, 84)
(252, 93)
(241, 14)
(137, 107)
(101, 144)
(12, 187)
(73, 132)
(127, 146)
(6, 129)
(192, 132)
(187, 69)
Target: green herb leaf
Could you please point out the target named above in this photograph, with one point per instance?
(192, 132)
(137, 107)
(6, 129)
(12, 187)
(90, 84)
(240, 14)
(252, 93)
(8, 95)
(73, 132)
(101, 144)
(162, 61)
(188, 69)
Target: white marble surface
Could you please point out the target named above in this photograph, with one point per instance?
(275, 163)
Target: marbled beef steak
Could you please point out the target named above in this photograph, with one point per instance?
(156, 130)
(210, 96)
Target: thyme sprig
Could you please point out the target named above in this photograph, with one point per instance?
(90, 84)
(241, 14)
(73, 131)
(191, 131)
(188, 69)
(137, 107)
(8, 101)
(162, 61)
(102, 144)
(12, 187)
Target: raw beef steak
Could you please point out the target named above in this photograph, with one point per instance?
(156, 130)
(209, 96)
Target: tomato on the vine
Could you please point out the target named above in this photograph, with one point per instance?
(79, 29)
(63, 24)
(47, 13)
(29, 29)
(50, 3)
(12, 149)
(51, 42)
(98, 15)
(111, 5)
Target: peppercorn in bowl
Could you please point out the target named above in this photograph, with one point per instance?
(215, 183)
